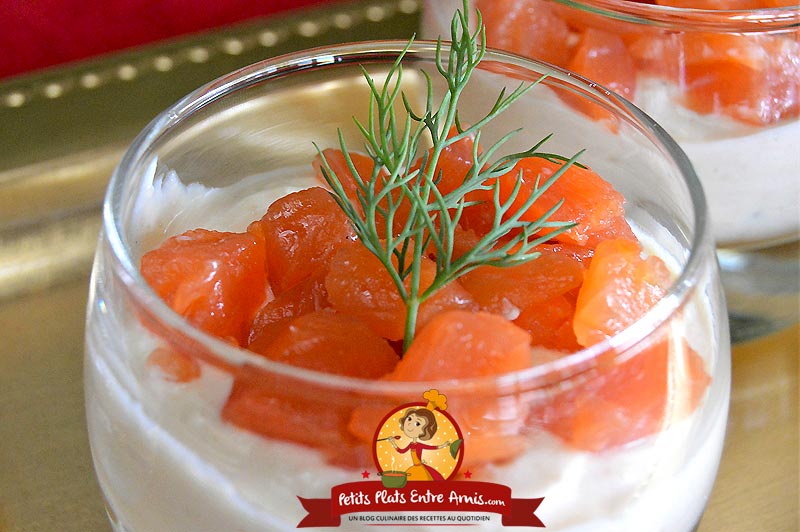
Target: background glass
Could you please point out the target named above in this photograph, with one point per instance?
(725, 85)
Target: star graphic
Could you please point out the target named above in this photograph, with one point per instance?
(365, 474)
(467, 474)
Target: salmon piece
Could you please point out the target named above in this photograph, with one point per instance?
(589, 200)
(507, 291)
(301, 231)
(458, 344)
(619, 287)
(622, 401)
(174, 366)
(363, 164)
(307, 296)
(325, 341)
(715, 4)
(359, 284)
(277, 406)
(216, 280)
(549, 323)
(286, 408)
(629, 400)
(525, 27)
(455, 162)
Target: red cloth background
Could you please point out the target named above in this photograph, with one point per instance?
(36, 34)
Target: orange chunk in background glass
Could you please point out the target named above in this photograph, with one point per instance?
(603, 58)
(754, 79)
(215, 280)
(301, 231)
(526, 28)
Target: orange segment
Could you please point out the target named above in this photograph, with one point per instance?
(359, 284)
(629, 400)
(301, 231)
(215, 280)
(619, 287)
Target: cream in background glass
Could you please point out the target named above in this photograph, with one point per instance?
(164, 458)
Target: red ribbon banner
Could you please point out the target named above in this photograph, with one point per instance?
(447, 496)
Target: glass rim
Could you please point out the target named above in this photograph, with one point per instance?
(700, 250)
(762, 20)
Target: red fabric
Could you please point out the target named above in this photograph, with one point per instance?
(39, 33)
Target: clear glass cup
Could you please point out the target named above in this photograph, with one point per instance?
(725, 84)
(167, 459)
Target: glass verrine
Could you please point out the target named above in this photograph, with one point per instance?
(580, 430)
(724, 82)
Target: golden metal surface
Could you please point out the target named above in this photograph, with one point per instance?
(49, 196)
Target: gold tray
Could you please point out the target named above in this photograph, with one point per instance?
(62, 133)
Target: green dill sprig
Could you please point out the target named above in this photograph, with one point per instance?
(394, 143)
